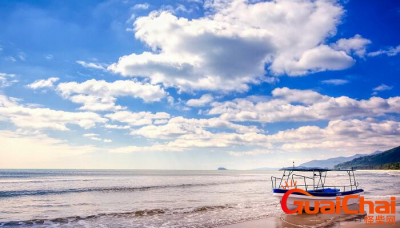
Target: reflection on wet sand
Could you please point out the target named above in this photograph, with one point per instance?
(306, 220)
(319, 219)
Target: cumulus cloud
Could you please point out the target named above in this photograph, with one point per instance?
(44, 118)
(302, 105)
(202, 101)
(137, 118)
(317, 59)
(345, 136)
(119, 127)
(153, 148)
(230, 46)
(391, 51)
(99, 95)
(296, 95)
(95, 103)
(203, 139)
(43, 83)
(356, 45)
(179, 126)
(335, 81)
(218, 140)
(355, 136)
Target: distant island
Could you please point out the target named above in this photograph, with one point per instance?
(389, 159)
(222, 168)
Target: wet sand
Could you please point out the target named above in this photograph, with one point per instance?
(342, 220)
(310, 221)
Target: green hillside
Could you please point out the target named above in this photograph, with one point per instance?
(389, 159)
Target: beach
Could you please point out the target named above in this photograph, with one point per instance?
(276, 222)
(342, 220)
(160, 198)
(355, 222)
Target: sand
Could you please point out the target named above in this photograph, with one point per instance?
(305, 221)
(275, 222)
(342, 220)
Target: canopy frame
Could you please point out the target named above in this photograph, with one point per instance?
(318, 179)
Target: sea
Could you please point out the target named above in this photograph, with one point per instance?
(153, 198)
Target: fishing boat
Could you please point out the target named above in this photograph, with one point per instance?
(313, 182)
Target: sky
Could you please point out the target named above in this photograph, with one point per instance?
(193, 84)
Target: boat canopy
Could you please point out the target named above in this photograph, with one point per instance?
(312, 169)
(314, 182)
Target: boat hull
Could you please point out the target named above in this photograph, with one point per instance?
(278, 193)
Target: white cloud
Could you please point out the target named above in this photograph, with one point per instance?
(160, 121)
(179, 126)
(4, 79)
(137, 118)
(202, 101)
(44, 118)
(317, 59)
(92, 65)
(99, 95)
(296, 95)
(131, 18)
(44, 83)
(335, 81)
(202, 139)
(153, 148)
(185, 9)
(302, 105)
(251, 152)
(391, 51)
(352, 136)
(383, 87)
(345, 136)
(119, 127)
(90, 135)
(356, 45)
(219, 140)
(95, 103)
(34, 150)
(96, 137)
(141, 6)
(228, 48)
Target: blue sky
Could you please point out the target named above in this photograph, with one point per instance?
(195, 84)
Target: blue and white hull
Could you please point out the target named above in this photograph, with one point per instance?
(319, 195)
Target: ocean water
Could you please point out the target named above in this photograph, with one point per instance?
(136, 198)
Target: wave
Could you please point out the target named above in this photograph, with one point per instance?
(6, 194)
(46, 181)
(130, 214)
